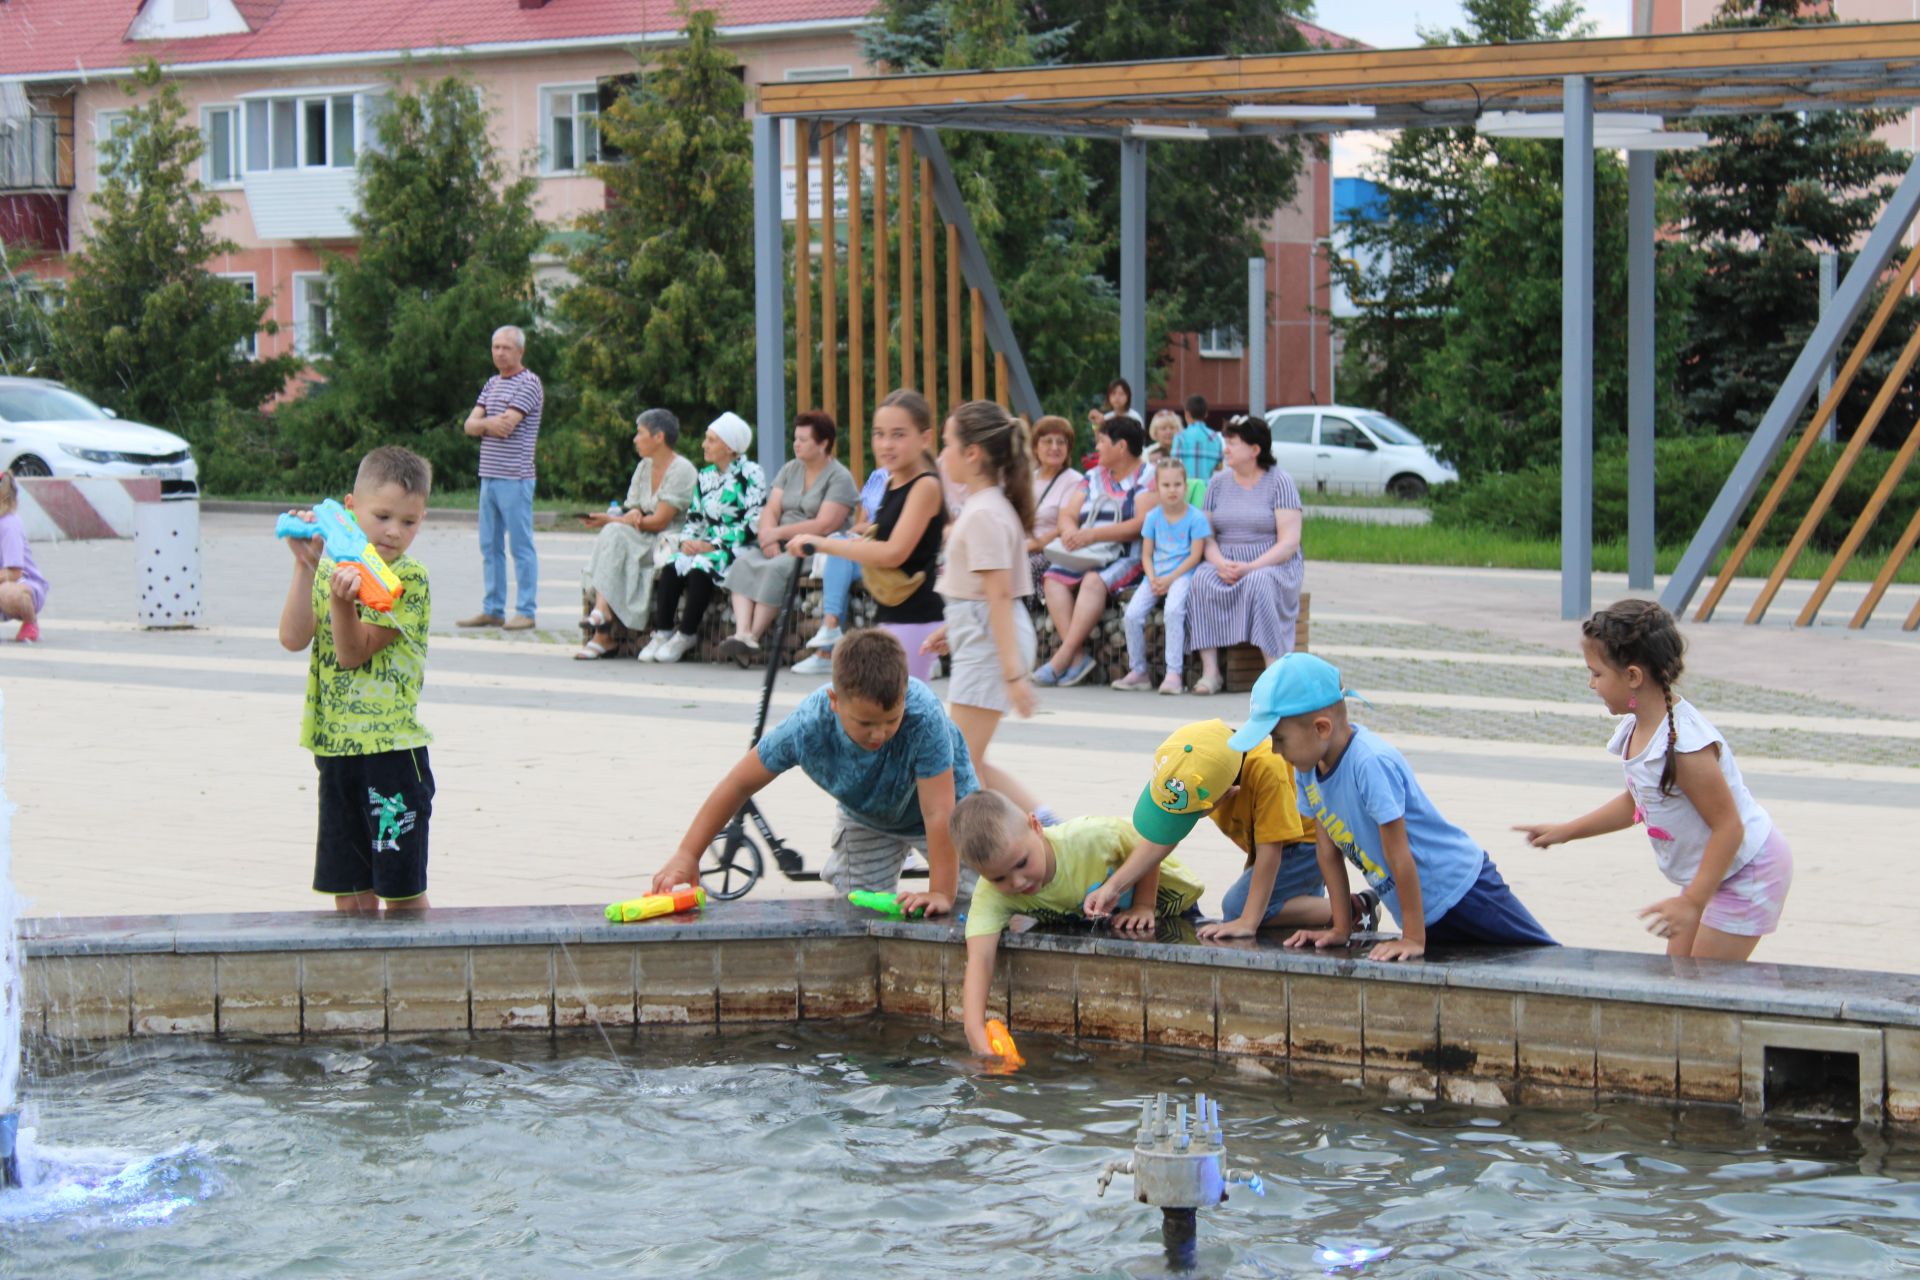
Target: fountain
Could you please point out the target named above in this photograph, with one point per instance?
(1180, 1170)
(11, 998)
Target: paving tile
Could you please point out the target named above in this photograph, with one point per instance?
(1401, 1024)
(512, 988)
(1181, 1000)
(838, 978)
(343, 992)
(594, 984)
(1253, 1013)
(1557, 1040)
(259, 993)
(1042, 996)
(1477, 1034)
(427, 990)
(679, 983)
(1110, 1003)
(1709, 1052)
(912, 977)
(87, 997)
(1323, 1020)
(173, 995)
(1638, 1055)
(760, 981)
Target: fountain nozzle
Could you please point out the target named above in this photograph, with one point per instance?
(9, 1160)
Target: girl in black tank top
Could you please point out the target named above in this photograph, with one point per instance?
(924, 605)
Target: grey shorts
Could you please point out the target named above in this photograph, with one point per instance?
(863, 858)
(976, 679)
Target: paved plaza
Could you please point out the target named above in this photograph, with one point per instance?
(159, 771)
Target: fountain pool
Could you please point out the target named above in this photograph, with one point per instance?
(824, 1149)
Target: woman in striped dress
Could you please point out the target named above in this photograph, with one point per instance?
(1248, 591)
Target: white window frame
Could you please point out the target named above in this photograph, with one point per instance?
(237, 151)
(810, 75)
(250, 348)
(1222, 344)
(550, 94)
(105, 125)
(304, 284)
(300, 100)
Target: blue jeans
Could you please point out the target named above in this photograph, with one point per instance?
(506, 512)
(836, 585)
(1297, 876)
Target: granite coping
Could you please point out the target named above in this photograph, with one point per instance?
(1804, 991)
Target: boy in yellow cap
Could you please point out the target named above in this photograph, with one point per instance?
(1251, 797)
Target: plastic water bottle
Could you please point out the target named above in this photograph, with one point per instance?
(614, 509)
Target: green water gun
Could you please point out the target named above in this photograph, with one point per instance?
(887, 904)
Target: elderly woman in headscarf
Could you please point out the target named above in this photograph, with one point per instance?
(726, 509)
(621, 572)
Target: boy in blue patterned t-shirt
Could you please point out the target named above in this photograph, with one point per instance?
(1172, 541)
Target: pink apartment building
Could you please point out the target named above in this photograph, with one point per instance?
(287, 92)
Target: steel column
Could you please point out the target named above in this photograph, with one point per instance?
(1576, 354)
(1256, 344)
(769, 311)
(1744, 482)
(973, 264)
(1133, 269)
(1640, 391)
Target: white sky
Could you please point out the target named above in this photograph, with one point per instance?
(1396, 24)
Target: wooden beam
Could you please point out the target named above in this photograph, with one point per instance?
(802, 276)
(1808, 438)
(1868, 514)
(929, 345)
(829, 284)
(856, 317)
(881, 299)
(979, 346)
(904, 196)
(1000, 378)
(956, 333)
(1888, 571)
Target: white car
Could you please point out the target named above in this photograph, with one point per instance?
(49, 430)
(1340, 449)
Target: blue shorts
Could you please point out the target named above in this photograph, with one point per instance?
(1489, 915)
(1297, 876)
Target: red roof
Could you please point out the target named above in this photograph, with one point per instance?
(55, 37)
(1320, 38)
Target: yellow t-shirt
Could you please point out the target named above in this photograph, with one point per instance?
(1265, 810)
(1085, 852)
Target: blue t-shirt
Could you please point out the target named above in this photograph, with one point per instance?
(1173, 539)
(1371, 784)
(878, 789)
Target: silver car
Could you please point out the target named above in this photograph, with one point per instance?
(50, 430)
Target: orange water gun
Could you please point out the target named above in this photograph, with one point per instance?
(1000, 1043)
(649, 905)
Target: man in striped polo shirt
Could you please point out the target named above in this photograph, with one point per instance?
(506, 419)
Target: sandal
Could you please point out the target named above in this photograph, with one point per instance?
(590, 651)
(1206, 686)
(594, 621)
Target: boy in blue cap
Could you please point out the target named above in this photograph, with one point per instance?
(1439, 883)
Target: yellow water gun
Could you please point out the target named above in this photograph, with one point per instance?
(1000, 1043)
(649, 905)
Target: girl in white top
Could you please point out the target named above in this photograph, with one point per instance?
(985, 582)
(1709, 835)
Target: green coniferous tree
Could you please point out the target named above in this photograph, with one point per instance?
(662, 311)
(445, 257)
(146, 328)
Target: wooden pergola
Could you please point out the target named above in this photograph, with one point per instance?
(1678, 77)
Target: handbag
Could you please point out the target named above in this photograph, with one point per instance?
(889, 584)
(1095, 555)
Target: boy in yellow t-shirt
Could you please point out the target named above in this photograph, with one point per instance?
(1251, 797)
(1045, 872)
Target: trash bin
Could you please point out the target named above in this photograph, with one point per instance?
(166, 551)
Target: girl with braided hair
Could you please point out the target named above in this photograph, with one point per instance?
(1709, 835)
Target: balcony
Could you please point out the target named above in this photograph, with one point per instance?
(36, 173)
(302, 204)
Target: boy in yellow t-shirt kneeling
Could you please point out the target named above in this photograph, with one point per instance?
(1046, 872)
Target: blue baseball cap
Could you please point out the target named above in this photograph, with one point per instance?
(1293, 686)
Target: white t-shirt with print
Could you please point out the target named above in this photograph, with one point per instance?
(1685, 831)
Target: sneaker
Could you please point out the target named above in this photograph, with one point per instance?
(1171, 686)
(518, 622)
(1045, 676)
(1366, 914)
(481, 620)
(29, 633)
(813, 665)
(650, 652)
(1078, 672)
(825, 638)
(676, 648)
(1135, 681)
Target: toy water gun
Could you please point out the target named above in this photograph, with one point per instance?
(1000, 1042)
(649, 905)
(380, 586)
(887, 904)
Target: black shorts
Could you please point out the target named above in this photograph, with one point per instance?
(374, 812)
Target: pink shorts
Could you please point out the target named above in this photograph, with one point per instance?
(1749, 901)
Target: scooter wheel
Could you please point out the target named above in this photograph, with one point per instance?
(731, 865)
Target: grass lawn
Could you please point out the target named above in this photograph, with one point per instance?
(1346, 540)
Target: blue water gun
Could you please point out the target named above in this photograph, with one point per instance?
(380, 586)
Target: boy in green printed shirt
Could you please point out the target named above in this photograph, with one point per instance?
(364, 676)
(1046, 873)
